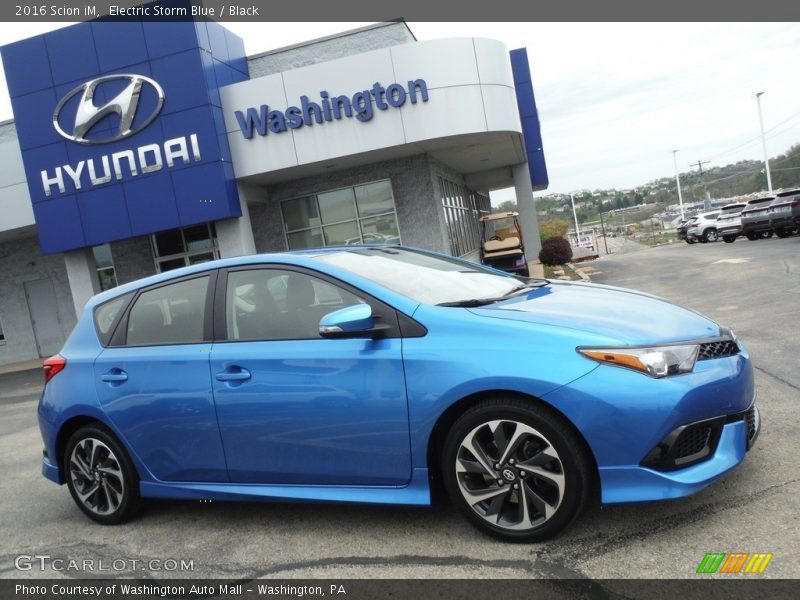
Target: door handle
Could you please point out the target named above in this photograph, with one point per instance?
(238, 375)
(115, 376)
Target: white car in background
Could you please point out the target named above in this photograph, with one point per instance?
(729, 221)
(704, 228)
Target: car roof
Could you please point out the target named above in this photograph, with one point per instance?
(304, 257)
(733, 205)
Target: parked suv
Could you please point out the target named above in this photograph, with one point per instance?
(784, 213)
(729, 222)
(755, 219)
(703, 228)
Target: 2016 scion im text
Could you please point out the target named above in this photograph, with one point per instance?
(359, 374)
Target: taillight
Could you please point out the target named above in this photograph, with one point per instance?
(52, 366)
(794, 203)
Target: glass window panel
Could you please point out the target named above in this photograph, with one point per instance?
(374, 198)
(172, 314)
(197, 237)
(168, 265)
(300, 213)
(201, 258)
(337, 206)
(169, 242)
(108, 279)
(380, 230)
(311, 238)
(102, 256)
(343, 234)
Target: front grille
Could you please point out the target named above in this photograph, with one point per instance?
(691, 441)
(719, 349)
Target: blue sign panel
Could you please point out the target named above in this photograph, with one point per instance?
(529, 116)
(121, 128)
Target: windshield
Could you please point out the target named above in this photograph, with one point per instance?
(501, 228)
(424, 277)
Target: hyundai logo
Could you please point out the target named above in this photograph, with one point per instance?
(124, 104)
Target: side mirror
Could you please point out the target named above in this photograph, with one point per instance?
(351, 321)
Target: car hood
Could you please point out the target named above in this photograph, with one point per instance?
(626, 316)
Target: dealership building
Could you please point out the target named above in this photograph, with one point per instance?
(142, 147)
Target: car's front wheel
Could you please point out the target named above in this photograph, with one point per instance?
(729, 239)
(100, 476)
(710, 235)
(516, 470)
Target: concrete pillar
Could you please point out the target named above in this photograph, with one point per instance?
(528, 220)
(82, 276)
(235, 236)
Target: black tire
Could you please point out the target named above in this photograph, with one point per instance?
(116, 498)
(710, 235)
(765, 235)
(753, 236)
(729, 239)
(691, 241)
(783, 233)
(545, 443)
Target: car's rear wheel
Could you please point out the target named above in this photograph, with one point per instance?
(516, 470)
(752, 236)
(729, 239)
(765, 235)
(101, 477)
(691, 240)
(710, 235)
(783, 233)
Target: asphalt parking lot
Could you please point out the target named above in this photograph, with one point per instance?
(753, 287)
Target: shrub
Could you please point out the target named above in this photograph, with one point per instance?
(554, 228)
(555, 251)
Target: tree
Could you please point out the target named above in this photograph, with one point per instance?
(506, 206)
(554, 228)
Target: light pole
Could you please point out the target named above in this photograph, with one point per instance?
(764, 142)
(678, 180)
(575, 216)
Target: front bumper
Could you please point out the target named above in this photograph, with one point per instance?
(654, 480)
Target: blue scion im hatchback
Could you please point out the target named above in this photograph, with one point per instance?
(358, 374)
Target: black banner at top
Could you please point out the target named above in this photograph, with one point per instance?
(410, 10)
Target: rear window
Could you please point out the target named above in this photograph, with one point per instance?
(105, 316)
(170, 314)
(735, 208)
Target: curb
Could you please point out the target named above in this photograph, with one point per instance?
(584, 277)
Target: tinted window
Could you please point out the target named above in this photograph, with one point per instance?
(272, 304)
(171, 314)
(106, 315)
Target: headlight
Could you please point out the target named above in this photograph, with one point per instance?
(658, 361)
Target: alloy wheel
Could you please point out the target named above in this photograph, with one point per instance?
(96, 476)
(510, 474)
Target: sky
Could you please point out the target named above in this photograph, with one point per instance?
(615, 99)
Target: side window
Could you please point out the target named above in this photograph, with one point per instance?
(171, 314)
(106, 314)
(272, 304)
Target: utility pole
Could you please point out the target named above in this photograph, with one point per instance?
(678, 181)
(700, 164)
(764, 143)
(603, 226)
